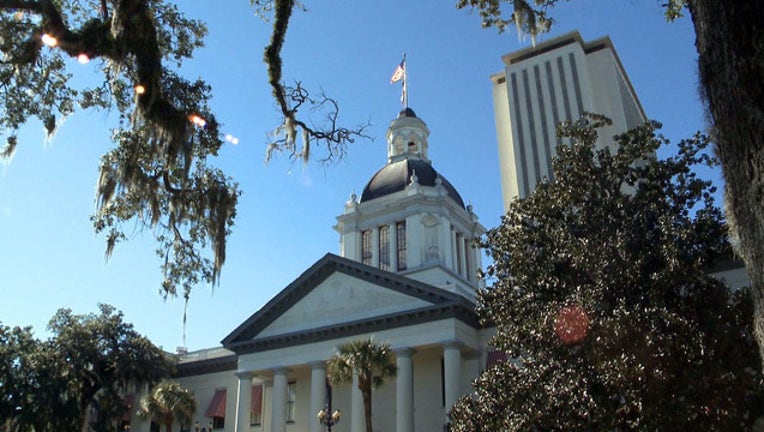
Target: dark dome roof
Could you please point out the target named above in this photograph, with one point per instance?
(395, 176)
(407, 112)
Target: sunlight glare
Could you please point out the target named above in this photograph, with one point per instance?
(49, 40)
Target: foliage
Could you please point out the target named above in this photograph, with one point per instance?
(602, 300)
(158, 176)
(89, 363)
(530, 16)
(167, 403)
(16, 350)
(730, 67)
(371, 362)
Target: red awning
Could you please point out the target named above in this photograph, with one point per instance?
(257, 399)
(217, 405)
(129, 399)
(495, 357)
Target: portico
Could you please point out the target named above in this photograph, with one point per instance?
(414, 397)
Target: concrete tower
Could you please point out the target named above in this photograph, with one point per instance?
(555, 81)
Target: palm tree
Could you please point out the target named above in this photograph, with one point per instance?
(372, 362)
(168, 402)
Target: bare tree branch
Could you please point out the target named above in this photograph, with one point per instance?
(289, 99)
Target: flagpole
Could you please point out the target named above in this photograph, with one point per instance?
(405, 82)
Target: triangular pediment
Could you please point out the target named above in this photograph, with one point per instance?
(339, 299)
(339, 295)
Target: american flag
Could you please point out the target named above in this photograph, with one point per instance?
(398, 73)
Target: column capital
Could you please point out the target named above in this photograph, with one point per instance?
(244, 374)
(281, 370)
(404, 351)
(317, 364)
(451, 344)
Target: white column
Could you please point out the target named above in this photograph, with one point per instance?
(278, 404)
(452, 363)
(357, 419)
(404, 391)
(317, 394)
(243, 402)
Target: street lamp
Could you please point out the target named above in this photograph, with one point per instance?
(326, 417)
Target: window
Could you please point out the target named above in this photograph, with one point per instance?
(467, 255)
(256, 417)
(384, 247)
(366, 247)
(218, 422)
(458, 253)
(400, 237)
(291, 399)
(216, 409)
(443, 381)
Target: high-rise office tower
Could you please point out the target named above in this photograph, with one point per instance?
(554, 81)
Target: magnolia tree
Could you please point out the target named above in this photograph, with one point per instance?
(730, 67)
(602, 300)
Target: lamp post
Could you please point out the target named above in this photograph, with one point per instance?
(326, 417)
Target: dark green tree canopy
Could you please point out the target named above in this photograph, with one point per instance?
(91, 361)
(602, 300)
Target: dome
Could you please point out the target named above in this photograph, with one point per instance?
(407, 112)
(395, 176)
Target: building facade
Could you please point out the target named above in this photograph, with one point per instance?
(405, 274)
(557, 80)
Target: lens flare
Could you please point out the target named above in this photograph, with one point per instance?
(571, 324)
(49, 40)
(197, 120)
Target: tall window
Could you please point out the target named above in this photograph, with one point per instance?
(400, 237)
(256, 416)
(384, 247)
(467, 255)
(458, 253)
(291, 399)
(366, 247)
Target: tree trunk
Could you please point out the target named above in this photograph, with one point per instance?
(730, 46)
(367, 409)
(168, 426)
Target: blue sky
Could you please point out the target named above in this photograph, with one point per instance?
(50, 258)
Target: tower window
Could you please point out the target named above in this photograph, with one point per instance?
(467, 256)
(384, 247)
(400, 233)
(366, 247)
(458, 253)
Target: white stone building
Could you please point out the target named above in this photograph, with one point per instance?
(405, 275)
(557, 80)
